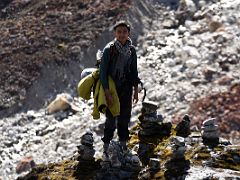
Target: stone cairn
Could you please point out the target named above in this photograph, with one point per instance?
(210, 133)
(86, 155)
(118, 164)
(177, 166)
(183, 128)
(152, 128)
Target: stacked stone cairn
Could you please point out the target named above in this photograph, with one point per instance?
(150, 170)
(86, 155)
(210, 133)
(152, 128)
(177, 166)
(183, 128)
(151, 123)
(119, 164)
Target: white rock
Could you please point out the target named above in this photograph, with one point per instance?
(192, 63)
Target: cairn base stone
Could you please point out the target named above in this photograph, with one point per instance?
(211, 142)
(176, 168)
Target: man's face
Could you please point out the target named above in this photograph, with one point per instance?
(122, 34)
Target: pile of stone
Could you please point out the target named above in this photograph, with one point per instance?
(183, 128)
(210, 133)
(86, 155)
(151, 123)
(177, 166)
(152, 127)
(117, 164)
(86, 150)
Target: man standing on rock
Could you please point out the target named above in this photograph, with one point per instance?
(119, 61)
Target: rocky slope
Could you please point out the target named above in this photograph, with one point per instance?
(179, 62)
(198, 58)
(36, 34)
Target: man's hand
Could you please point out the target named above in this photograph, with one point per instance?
(135, 95)
(109, 97)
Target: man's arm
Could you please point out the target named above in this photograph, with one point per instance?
(104, 65)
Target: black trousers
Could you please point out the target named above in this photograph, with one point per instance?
(120, 122)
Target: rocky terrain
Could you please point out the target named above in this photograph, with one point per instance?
(38, 34)
(199, 60)
(188, 63)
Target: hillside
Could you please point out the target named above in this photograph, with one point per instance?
(188, 60)
(37, 34)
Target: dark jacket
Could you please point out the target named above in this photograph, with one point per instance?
(108, 63)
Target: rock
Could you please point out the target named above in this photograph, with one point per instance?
(224, 142)
(210, 133)
(60, 103)
(169, 23)
(154, 164)
(25, 164)
(225, 80)
(178, 141)
(76, 50)
(210, 128)
(86, 153)
(149, 106)
(192, 63)
(183, 128)
(179, 153)
(214, 26)
(31, 115)
(209, 72)
(87, 139)
(209, 122)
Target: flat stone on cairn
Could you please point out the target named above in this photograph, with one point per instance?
(154, 164)
(149, 106)
(210, 133)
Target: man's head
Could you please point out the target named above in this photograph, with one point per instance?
(122, 31)
(121, 23)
